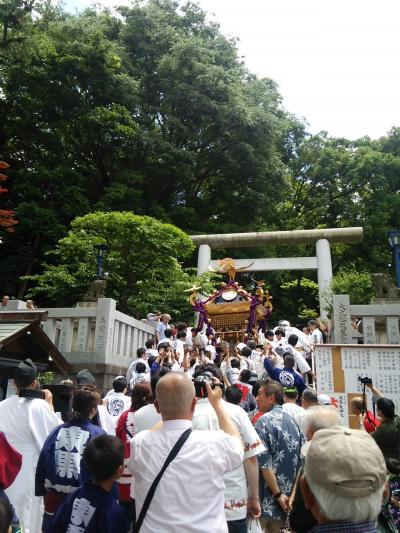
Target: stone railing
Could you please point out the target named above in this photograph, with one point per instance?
(96, 335)
(99, 338)
(379, 322)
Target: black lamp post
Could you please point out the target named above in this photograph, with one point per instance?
(100, 251)
(394, 242)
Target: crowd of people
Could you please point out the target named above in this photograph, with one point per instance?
(200, 435)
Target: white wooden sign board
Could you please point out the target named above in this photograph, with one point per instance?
(338, 366)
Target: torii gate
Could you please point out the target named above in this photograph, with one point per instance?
(321, 262)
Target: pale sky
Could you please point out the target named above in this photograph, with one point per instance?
(337, 62)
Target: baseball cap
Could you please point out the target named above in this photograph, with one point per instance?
(345, 461)
(324, 399)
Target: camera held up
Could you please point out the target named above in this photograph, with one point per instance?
(200, 384)
(365, 380)
(31, 394)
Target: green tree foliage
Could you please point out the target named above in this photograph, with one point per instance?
(357, 284)
(64, 123)
(339, 183)
(13, 15)
(299, 300)
(150, 112)
(213, 130)
(143, 263)
(153, 112)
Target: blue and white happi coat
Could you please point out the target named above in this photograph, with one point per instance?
(59, 467)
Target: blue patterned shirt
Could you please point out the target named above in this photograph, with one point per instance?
(283, 440)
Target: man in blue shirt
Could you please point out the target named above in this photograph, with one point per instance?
(162, 327)
(281, 460)
(286, 376)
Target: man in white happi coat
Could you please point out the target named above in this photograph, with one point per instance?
(241, 484)
(26, 422)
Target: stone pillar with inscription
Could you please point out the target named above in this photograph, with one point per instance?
(342, 329)
(393, 330)
(324, 265)
(368, 329)
(103, 341)
(103, 335)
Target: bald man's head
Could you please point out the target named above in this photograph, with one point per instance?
(356, 405)
(175, 397)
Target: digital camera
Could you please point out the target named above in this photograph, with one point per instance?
(200, 384)
(365, 380)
